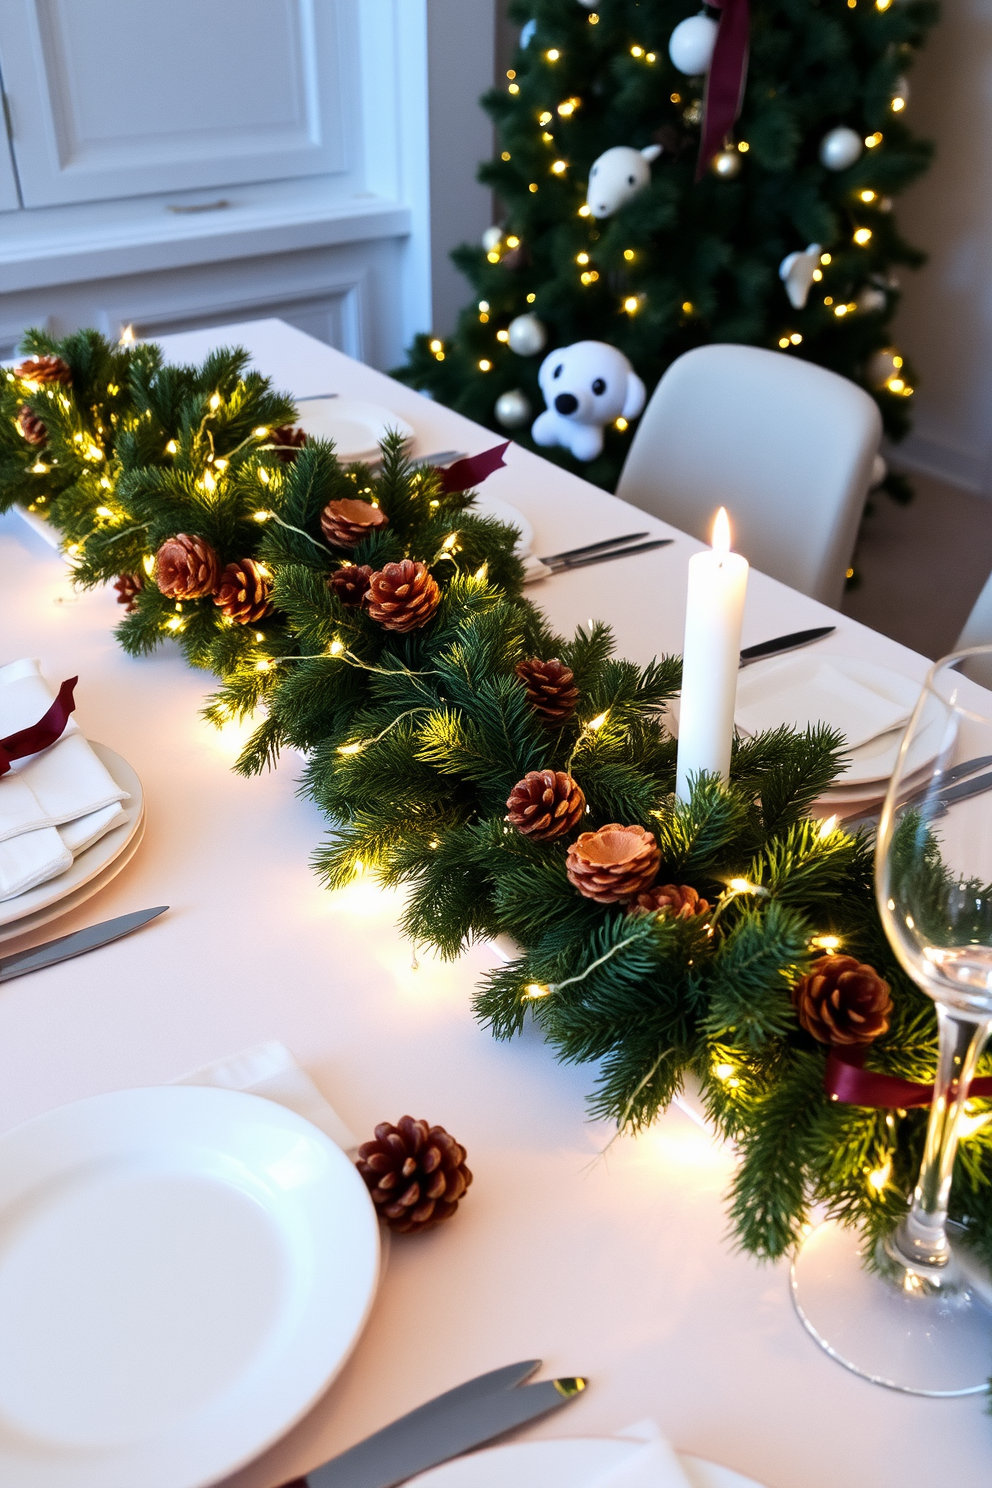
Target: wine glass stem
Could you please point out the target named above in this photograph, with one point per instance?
(921, 1238)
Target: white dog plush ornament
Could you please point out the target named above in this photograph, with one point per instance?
(586, 386)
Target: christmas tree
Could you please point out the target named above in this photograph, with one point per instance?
(778, 232)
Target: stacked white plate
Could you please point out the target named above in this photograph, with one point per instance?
(877, 702)
(91, 870)
(356, 427)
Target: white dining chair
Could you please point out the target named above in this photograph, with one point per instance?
(977, 631)
(786, 446)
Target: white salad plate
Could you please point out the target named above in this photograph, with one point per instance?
(356, 427)
(183, 1271)
(875, 760)
(572, 1462)
(91, 869)
(492, 506)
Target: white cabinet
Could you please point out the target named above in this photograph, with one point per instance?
(115, 98)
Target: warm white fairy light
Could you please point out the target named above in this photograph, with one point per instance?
(862, 236)
(215, 402)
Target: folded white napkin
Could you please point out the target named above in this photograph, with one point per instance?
(53, 804)
(654, 1464)
(823, 694)
(269, 1070)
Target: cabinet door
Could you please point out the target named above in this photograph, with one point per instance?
(113, 98)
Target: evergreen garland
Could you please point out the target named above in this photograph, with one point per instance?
(414, 741)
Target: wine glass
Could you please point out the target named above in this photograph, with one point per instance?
(918, 1317)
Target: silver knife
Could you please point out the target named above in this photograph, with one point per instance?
(462, 1418)
(784, 643)
(75, 944)
(565, 565)
(598, 547)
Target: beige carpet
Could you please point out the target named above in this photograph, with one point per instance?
(922, 565)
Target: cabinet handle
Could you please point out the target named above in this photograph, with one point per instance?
(214, 206)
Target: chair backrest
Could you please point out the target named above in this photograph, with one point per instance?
(785, 445)
(978, 632)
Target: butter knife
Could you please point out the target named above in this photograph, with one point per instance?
(75, 944)
(462, 1418)
(785, 643)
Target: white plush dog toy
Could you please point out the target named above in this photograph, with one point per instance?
(586, 386)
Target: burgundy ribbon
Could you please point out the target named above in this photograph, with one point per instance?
(727, 76)
(845, 1080)
(465, 474)
(40, 734)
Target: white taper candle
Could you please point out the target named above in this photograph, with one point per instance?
(714, 611)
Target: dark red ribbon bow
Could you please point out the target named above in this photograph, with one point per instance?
(48, 728)
(845, 1080)
(727, 76)
(464, 474)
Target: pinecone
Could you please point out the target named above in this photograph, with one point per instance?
(614, 863)
(31, 427)
(546, 804)
(288, 439)
(42, 369)
(346, 522)
(551, 689)
(351, 583)
(416, 1174)
(842, 1001)
(244, 592)
(186, 567)
(674, 901)
(403, 596)
(128, 587)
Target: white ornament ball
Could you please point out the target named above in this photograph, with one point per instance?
(871, 299)
(726, 165)
(879, 470)
(882, 365)
(588, 4)
(491, 239)
(526, 335)
(513, 409)
(691, 45)
(840, 148)
(617, 176)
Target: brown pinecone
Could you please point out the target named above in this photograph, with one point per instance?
(346, 522)
(403, 596)
(244, 592)
(546, 804)
(416, 1174)
(186, 567)
(351, 583)
(42, 369)
(674, 901)
(289, 439)
(842, 1001)
(128, 587)
(614, 863)
(551, 689)
(31, 427)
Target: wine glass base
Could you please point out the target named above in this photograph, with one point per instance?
(917, 1339)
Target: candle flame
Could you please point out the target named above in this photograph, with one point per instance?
(721, 531)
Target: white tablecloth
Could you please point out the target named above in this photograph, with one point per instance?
(615, 1266)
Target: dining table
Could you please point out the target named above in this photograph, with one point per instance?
(605, 1255)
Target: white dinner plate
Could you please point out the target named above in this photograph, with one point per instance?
(875, 760)
(95, 860)
(31, 922)
(572, 1462)
(183, 1271)
(357, 427)
(492, 506)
